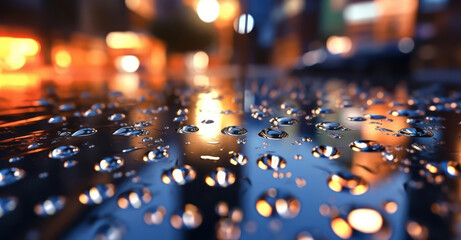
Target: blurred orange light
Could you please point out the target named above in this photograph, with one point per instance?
(123, 40)
(228, 10)
(63, 58)
(15, 61)
(128, 63)
(200, 60)
(339, 45)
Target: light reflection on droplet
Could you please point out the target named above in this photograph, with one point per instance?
(340, 182)
(272, 162)
(325, 151)
(50, 206)
(179, 175)
(189, 218)
(274, 201)
(97, 194)
(221, 177)
(134, 198)
(155, 216)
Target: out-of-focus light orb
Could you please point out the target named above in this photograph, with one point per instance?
(133, 4)
(341, 228)
(244, 24)
(406, 45)
(293, 7)
(15, 61)
(339, 45)
(227, 10)
(313, 57)
(123, 40)
(208, 10)
(200, 60)
(63, 58)
(127, 63)
(365, 220)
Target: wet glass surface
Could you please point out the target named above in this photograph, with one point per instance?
(131, 157)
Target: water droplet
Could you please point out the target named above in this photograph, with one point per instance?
(326, 151)
(125, 131)
(321, 111)
(406, 113)
(155, 216)
(34, 146)
(347, 182)
(188, 129)
(295, 112)
(180, 119)
(374, 101)
(67, 107)
(117, 117)
(182, 112)
(179, 175)
(110, 231)
(69, 163)
(156, 155)
(375, 116)
(234, 131)
(188, 218)
(260, 114)
(221, 177)
(241, 141)
(274, 202)
(335, 135)
(306, 139)
(238, 159)
(416, 132)
(63, 152)
(366, 146)
(329, 126)
(142, 124)
(84, 132)
(272, 162)
(356, 119)
(451, 168)
(127, 150)
(388, 156)
(15, 159)
(92, 112)
(57, 119)
(7, 205)
(283, 121)
(207, 121)
(43, 175)
(50, 206)
(273, 134)
(97, 194)
(135, 198)
(109, 164)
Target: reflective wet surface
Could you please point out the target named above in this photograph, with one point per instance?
(133, 157)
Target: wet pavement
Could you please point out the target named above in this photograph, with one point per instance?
(128, 157)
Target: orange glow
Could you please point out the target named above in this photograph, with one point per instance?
(123, 40)
(339, 45)
(365, 220)
(128, 63)
(15, 61)
(200, 60)
(22, 46)
(228, 10)
(341, 228)
(391, 207)
(144, 8)
(63, 58)
(264, 208)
